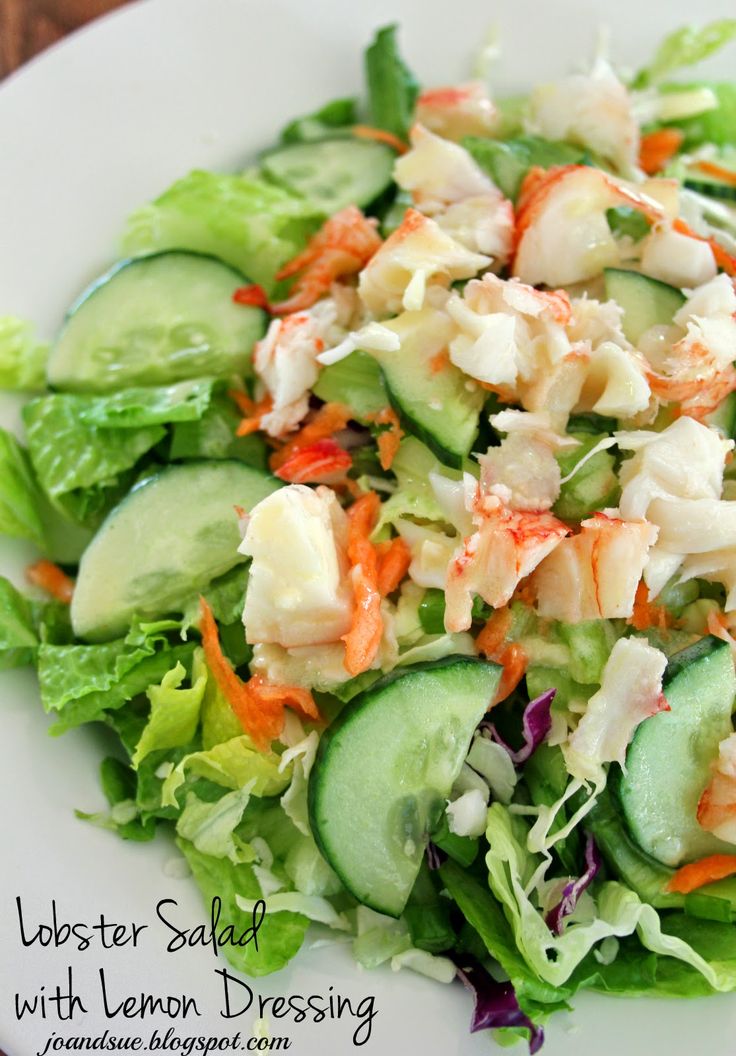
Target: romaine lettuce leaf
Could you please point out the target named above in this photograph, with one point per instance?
(80, 466)
(247, 222)
(356, 381)
(174, 711)
(508, 161)
(210, 826)
(280, 934)
(392, 87)
(233, 764)
(18, 639)
(322, 123)
(414, 496)
(713, 126)
(685, 47)
(22, 356)
(79, 683)
(124, 817)
(213, 436)
(134, 408)
(19, 496)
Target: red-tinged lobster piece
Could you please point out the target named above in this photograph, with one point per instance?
(364, 637)
(49, 577)
(258, 706)
(323, 462)
(343, 246)
(331, 418)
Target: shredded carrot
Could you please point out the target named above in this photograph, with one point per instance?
(323, 462)
(259, 707)
(394, 558)
(253, 296)
(492, 643)
(719, 171)
(657, 148)
(343, 246)
(646, 614)
(296, 697)
(253, 423)
(52, 579)
(388, 440)
(381, 136)
(439, 361)
(514, 661)
(491, 639)
(706, 871)
(722, 257)
(328, 420)
(364, 637)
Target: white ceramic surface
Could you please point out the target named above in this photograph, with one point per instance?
(87, 132)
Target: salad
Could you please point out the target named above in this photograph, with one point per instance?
(386, 510)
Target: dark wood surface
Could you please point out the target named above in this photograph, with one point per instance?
(29, 26)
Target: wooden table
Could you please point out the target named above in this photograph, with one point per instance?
(29, 26)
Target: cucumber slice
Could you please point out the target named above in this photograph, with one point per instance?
(712, 184)
(440, 407)
(332, 173)
(723, 418)
(669, 759)
(155, 320)
(384, 770)
(646, 302)
(172, 535)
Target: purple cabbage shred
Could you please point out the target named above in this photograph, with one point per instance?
(536, 724)
(435, 857)
(496, 1004)
(574, 889)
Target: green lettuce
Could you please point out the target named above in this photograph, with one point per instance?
(508, 161)
(22, 356)
(356, 381)
(80, 683)
(124, 817)
(414, 496)
(247, 222)
(685, 47)
(619, 912)
(18, 638)
(210, 826)
(338, 114)
(135, 408)
(392, 87)
(717, 125)
(82, 467)
(19, 496)
(174, 711)
(233, 764)
(213, 436)
(280, 934)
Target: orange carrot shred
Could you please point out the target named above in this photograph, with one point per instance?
(388, 440)
(52, 579)
(258, 706)
(254, 412)
(645, 614)
(381, 136)
(363, 639)
(657, 148)
(722, 257)
(514, 661)
(492, 643)
(719, 171)
(394, 558)
(328, 420)
(440, 361)
(705, 871)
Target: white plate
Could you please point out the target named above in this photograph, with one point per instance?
(92, 129)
